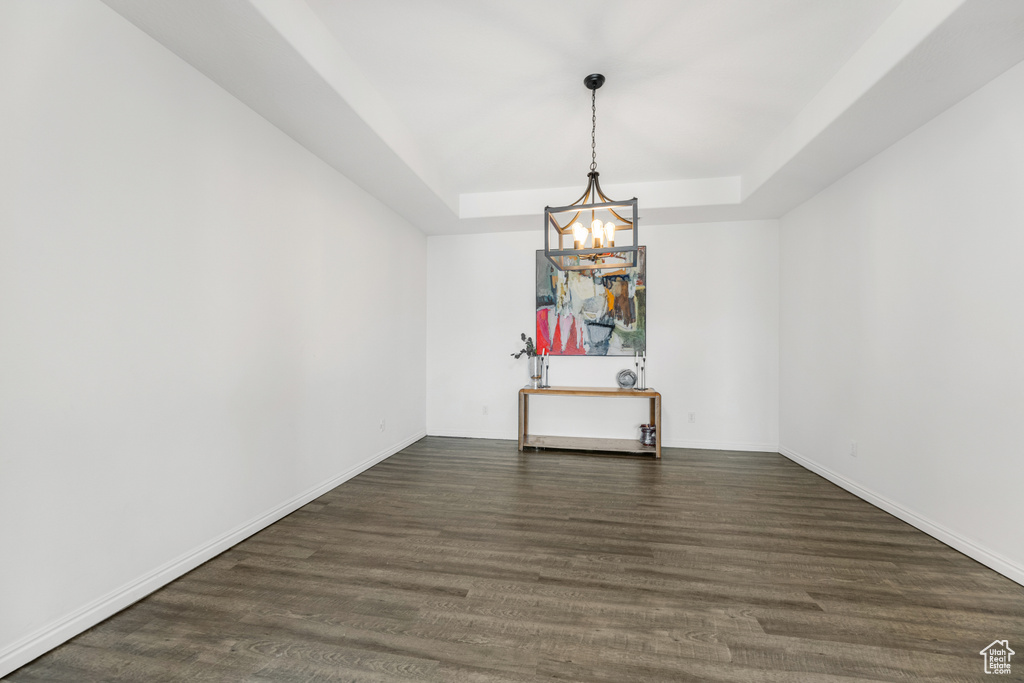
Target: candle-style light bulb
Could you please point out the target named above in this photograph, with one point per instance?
(579, 235)
(609, 234)
(597, 231)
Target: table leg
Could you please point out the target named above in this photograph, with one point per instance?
(524, 408)
(656, 421)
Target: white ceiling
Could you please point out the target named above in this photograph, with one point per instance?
(494, 90)
(470, 115)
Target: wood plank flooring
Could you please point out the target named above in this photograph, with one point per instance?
(464, 560)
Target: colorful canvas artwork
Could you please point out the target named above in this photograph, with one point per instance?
(592, 312)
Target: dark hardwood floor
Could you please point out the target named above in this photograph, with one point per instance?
(464, 560)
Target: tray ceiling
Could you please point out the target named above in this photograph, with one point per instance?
(471, 116)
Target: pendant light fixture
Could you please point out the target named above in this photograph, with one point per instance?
(602, 232)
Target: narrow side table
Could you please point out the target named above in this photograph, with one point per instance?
(582, 443)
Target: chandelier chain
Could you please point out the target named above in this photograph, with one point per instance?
(593, 130)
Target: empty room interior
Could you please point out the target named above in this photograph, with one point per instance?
(511, 341)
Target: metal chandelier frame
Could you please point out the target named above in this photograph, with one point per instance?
(592, 202)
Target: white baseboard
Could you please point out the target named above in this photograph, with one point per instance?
(60, 630)
(702, 445)
(721, 445)
(474, 434)
(989, 558)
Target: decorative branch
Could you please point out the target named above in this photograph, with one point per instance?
(530, 351)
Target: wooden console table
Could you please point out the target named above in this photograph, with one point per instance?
(580, 443)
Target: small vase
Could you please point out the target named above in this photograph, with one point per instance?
(536, 365)
(648, 435)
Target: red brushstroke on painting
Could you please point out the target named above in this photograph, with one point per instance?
(543, 332)
(553, 343)
(574, 346)
(556, 339)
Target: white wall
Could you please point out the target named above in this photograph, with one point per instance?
(712, 331)
(187, 300)
(902, 296)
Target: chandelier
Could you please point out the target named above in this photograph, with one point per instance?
(601, 236)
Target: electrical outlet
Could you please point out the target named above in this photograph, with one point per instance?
(853, 449)
(382, 424)
(693, 417)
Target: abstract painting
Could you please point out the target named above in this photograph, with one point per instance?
(592, 312)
